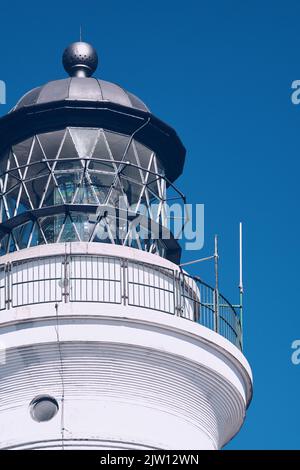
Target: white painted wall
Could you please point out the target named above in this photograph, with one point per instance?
(124, 377)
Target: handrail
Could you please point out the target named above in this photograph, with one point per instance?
(116, 280)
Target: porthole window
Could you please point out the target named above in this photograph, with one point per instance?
(43, 408)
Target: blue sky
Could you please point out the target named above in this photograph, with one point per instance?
(220, 72)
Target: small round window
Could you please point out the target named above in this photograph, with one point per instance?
(43, 408)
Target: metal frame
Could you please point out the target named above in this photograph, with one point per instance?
(20, 204)
(153, 273)
(34, 273)
(94, 284)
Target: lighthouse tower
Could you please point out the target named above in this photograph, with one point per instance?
(106, 342)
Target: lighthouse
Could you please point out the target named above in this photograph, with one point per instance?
(107, 341)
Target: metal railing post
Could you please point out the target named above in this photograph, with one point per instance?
(66, 278)
(241, 285)
(241, 319)
(178, 293)
(216, 290)
(124, 281)
(8, 294)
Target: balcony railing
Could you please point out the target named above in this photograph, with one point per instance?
(102, 279)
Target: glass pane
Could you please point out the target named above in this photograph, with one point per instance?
(85, 193)
(22, 150)
(101, 184)
(68, 149)
(35, 188)
(69, 233)
(144, 154)
(132, 190)
(53, 196)
(22, 234)
(84, 225)
(50, 142)
(52, 226)
(117, 144)
(85, 140)
(68, 183)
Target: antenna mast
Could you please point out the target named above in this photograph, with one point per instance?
(216, 258)
(241, 286)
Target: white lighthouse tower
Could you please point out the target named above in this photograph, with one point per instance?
(106, 342)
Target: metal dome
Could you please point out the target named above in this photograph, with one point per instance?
(83, 101)
(80, 89)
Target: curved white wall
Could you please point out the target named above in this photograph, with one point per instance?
(124, 376)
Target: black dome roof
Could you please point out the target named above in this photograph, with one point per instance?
(80, 89)
(84, 101)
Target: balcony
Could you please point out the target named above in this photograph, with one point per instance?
(34, 276)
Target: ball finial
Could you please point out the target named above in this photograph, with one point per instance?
(80, 59)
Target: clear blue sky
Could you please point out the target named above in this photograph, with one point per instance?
(220, 73)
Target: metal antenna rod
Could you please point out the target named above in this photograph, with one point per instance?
(80, 34)
(241, 286)
(216, 257)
